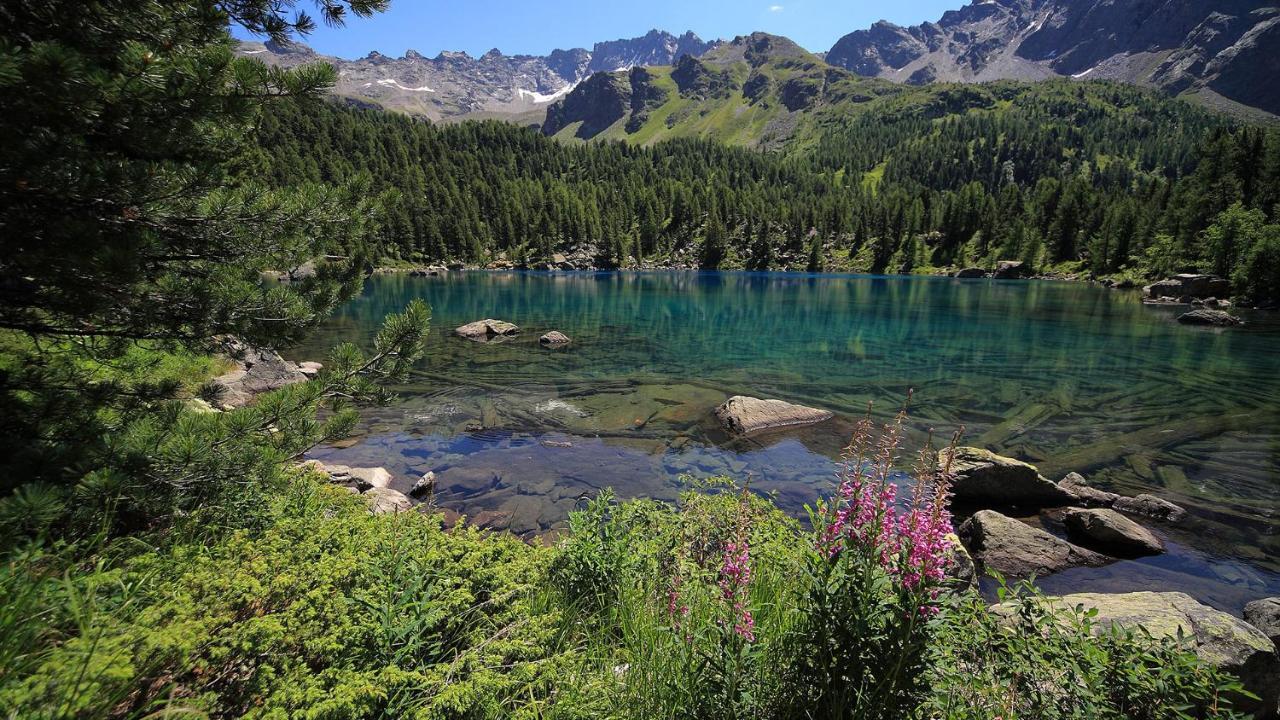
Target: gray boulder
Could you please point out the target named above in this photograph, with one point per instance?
(487, 330)
(985, 478)
(385, 501)
(555, 337)
(1011, 269)
(258, 370)
(972, 272)
(1152, 507)
(362, 478)
(745, 415)
(1265, 615)
(1216, 637)
(1109, 531)
(1189, 286)
(1205, 316)
(1018, 550)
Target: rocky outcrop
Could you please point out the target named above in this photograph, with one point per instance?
(983, 478)
(1208, 48)
(257, 371)
(1018, 550)
(971, 273)
(1265, 615)
(746, 415)
(596, 104)
(1188, 286)
(1216, 637)
(487, 330)
(1110, 532)
(1204, 316)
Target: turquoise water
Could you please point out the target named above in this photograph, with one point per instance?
(1068, 376)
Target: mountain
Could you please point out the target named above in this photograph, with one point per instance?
(758, 90)
(1226, 52)
(454, 84)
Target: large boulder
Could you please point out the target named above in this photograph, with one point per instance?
(985, 478)
(487, 330)
(1189, 285)
(971, 272)
(1216, 637)
(1205, 316)
(361, 478)
(1018, 550)
(385, 501)
(1111, 532)
(1011, 269)
(1265, 615)
(746, 415)
(258, 370)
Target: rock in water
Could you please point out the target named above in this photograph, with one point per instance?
(1084, 494)
(1019, 550)
(1110, 531)
(1204, 316)
(983, 477)
(972, 272)
(1265, 615)
(1189, 286)
(486, 330)
(385, 501)
(1216, 637)
(1152, 507)
(555, 337)
(746, 415)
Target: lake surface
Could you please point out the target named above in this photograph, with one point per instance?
(1071, 377)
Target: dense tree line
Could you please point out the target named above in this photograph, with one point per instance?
(1119, 178)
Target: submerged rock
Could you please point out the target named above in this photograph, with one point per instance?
(1084, 494)
(1265, 615)
(985, 478)
(1112, 532)
(486, 330)
(1018, 550)
(1152, 507)
(744, 415)
(1216, 637)
(555, 337)
(1205, 316)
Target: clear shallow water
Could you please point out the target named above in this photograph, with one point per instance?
(1067, 376)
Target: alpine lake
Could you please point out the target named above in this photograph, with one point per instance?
(1067, 376)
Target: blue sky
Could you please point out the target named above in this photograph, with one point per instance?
(536, 28)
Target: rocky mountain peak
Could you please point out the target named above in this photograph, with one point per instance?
(1214, 49)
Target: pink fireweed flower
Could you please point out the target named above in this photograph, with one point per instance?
(735, 577)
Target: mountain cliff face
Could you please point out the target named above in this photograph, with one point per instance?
(454, 84)
(1225, 51)
(757, 90)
